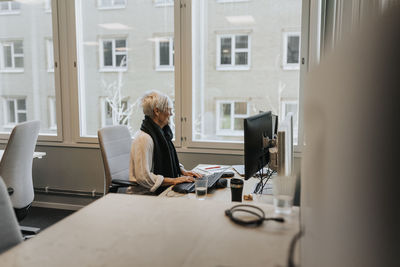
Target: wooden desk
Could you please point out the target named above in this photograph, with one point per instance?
(38, 155)
(132, 230)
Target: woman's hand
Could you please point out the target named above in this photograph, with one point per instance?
(191, 173)
(183, 179)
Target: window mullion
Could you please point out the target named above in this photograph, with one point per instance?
(233, 48)
(12, 55)
(114, 59)
(15, 111)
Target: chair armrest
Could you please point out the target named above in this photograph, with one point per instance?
(123, 183)
(10, 191)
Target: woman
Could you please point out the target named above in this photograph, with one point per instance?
(154, 163)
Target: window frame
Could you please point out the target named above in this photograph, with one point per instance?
(285, 64)
(163, 3)
(100, 6)
(17, 111)
(114, 54)
(65, 43)
(52, 104)
(49, 54)
(10, 11)
(171, 65)
(234, 50)
(233, 116)
(11, 44)
(58, 31)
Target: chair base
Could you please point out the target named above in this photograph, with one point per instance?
(27, 230)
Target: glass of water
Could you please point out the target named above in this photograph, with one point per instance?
(283, 191)
(201, 188)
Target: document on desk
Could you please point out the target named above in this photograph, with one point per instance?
(212, 168)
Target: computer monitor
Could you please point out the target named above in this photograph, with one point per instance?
(285, 145)
(256, 130)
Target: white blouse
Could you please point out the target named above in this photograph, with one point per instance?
(141, 162)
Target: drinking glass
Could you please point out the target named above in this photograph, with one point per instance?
(283, 191)
(201, 188)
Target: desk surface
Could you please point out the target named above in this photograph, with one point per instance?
(132, 230)
(38, 155)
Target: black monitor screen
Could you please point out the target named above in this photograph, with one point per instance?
(275, 124)
(256, 129)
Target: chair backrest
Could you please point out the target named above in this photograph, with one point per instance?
(10, 234)
(16, 164)
(115, 145)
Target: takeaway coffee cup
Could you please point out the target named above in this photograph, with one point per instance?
(236, 189)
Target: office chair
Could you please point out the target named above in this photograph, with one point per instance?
(10, 234)
(16, 166)
(115, 145)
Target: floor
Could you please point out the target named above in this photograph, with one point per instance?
(44, 217)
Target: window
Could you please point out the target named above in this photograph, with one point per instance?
(165, 54)
(227, 66)
(50, 55)
(248, 37)
(110, 72)
(12, 55)
(111, 4)
(113, 54)
(26, 56)
(52, 113)
(291, 51)
(161, 3)
(15, 111)
(233, 52)
(293, 107)
(230, 115)
(113, 113)
(9, 7)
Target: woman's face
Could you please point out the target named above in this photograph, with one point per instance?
(162, 117)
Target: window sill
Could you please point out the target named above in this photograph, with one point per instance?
(230, 134)
(191, 150)
(6, 13)
(111, 7)
(167, 69)
(233, 68)
(291, 67)
(8, 126)
(12, 71)
(113, 70)
(231, 1)
(163, 4)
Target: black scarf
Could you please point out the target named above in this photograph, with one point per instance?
(165, 159)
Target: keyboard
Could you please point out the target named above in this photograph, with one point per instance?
(189, 187)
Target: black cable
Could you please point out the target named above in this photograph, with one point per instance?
(254, 210)
(292, 245)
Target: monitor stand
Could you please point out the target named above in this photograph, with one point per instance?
(266, 191)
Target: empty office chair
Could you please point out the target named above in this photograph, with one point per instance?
(115, 145)
(10, 234)
(16, 165)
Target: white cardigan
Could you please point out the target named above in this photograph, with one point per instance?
(141, 162)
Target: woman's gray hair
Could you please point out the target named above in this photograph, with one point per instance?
(155, 99)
